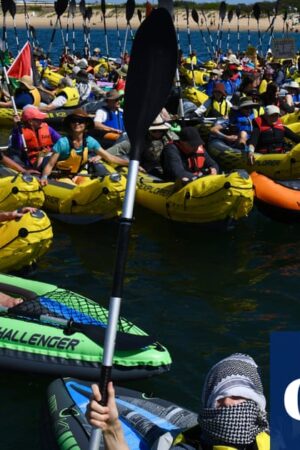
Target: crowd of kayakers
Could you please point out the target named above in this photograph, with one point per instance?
(243, 99)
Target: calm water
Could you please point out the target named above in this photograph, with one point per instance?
(97, 40)
(204, 294)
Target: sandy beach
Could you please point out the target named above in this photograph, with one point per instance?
(46, 18)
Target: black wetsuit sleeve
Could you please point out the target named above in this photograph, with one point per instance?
(289, 134)
(172, 164)
(255, 135)
(209, 162)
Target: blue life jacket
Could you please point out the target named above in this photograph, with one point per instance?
(296, 98)
(244, 123)
(114, 119)
(229, 87)
(210, 87)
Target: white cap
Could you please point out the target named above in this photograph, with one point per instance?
(271, 109)
(291, 84)
(82, 63)
(75, 70)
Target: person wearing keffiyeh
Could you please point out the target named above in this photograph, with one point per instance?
(233, 411)
(232, 415)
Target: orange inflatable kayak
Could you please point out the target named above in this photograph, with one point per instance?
(279, 200)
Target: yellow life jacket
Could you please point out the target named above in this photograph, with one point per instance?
(192, 60)
(72, 95)
(263, 86)
(36, 96)
(258, 111)
(262, 441)
(74, 162)
(221, 107)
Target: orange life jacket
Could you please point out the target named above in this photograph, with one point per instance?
(196, 160)
(37, 141)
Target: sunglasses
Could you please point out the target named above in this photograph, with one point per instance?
(78, 120)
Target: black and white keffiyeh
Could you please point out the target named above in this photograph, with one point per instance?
(237, 376)
(237, 425)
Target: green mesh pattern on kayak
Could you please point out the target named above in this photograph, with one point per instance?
(68, 305)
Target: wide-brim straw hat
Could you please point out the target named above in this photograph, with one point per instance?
(122, 71)
(27, 81)
(159, 124)
(114, 95)
(247, 103)
(79, 113)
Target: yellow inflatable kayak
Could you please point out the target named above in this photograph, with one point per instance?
(295, 127)
(85, 200)
(201, 77)
(24, 240)
(284, 166)
(210, 199)
(17, 190)
(290, 118)
(54, 117)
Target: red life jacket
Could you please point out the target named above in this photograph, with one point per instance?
(37, 141)
(195, 160)
(276, 130)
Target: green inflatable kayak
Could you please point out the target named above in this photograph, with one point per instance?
(58, 332)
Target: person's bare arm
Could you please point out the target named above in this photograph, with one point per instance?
(48, 169)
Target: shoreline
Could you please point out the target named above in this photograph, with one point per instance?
(39, 22)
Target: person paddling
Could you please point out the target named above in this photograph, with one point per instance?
(232, 413)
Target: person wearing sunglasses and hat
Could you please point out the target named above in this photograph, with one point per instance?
(232, 415)
(39, 138)
(25, 94)
(269, 134)
(109, 118)
(74, 151)
(186, 158)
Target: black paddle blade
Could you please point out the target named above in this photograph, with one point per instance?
(256, 11)
(230, 15)
(195, 16)
(187, 11)
(72, 7)
(82, 7)
(130, 7)
(103, 7)
(150, 75)
(88, 13)
(139, 13)
(238, 12)
(222, 10)
(12, 8)
(60, 6)
(5, 6)
(32, 31)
